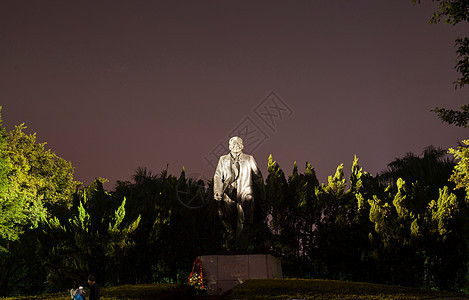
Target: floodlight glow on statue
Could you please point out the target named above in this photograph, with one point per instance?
(235, 182)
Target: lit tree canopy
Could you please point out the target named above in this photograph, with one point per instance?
(33, 182)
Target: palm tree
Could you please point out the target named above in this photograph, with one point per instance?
(432, 169)
(142, 175)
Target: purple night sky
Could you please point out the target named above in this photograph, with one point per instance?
(114, 85)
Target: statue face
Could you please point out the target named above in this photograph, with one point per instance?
(236, 145)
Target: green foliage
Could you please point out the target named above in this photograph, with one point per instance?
(413, 232)
(460, 175)
(432, 168)
(3, 159)
(33, 182)
(89, 241)
(454, 12)
(398, 233)
(319, 230)
(330, 289)
(40, 173)
(459, 118)
(276, 190)
(342, 231)
(171, 235)
(268, 289)
(443, 212)
(406, 226)
(462, 65)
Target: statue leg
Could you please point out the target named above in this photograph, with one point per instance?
(245, 222)
(240, 219)
(229, 216)
(247, 203)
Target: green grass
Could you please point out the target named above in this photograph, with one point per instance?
(126, 292)
(331, 289)
(268, 289)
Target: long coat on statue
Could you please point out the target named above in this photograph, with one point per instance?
(234, 181)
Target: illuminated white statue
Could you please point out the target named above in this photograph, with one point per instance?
(236, 179)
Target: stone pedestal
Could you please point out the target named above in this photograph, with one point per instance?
(226, 271)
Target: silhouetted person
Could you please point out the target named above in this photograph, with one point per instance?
(74, 290)
(94, 288)
(77, 292)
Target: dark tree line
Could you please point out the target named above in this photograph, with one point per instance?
(405, 226)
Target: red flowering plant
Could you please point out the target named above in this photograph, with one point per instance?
(198, 278)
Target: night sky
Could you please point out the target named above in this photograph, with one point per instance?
(115, 85)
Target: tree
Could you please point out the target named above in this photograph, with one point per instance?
(147, 196)
(33, 182)
(276, 198)
(341, 237)
(431, 169)
(171, 234)
(191, 231)
(454, 12)
(305, 214)
(13, 215)
(420, 218)
(92, 239)
(459, 118)
(460, 174)
(444, 244)
(394, 236)
(4, 166)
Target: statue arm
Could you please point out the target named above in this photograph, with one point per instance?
(257, 178)
(218, 181)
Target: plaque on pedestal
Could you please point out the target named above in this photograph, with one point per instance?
(224, 272)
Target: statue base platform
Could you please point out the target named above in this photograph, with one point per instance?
(225, 271)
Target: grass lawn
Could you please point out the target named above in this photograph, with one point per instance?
(129, 292)
(268, 289)
(331, 289)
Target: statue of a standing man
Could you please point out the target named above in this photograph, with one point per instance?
(233, 188)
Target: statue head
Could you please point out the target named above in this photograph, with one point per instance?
(236, 145)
